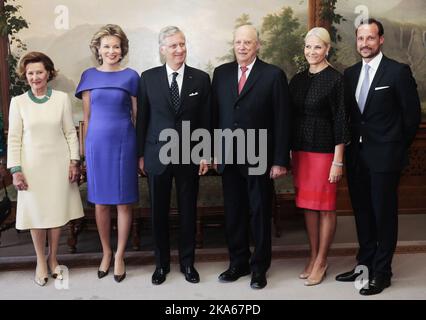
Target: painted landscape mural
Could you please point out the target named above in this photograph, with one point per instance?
(63, 30)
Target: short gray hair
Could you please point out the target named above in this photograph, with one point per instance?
(167, 32)
(251, 27)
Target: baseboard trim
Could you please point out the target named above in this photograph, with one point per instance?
(81, 260)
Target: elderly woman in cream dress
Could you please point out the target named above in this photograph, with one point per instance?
(43, 157)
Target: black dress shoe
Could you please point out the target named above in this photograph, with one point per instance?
(258, 280)
(191, 275)
(375, 286)
(349, 276)
(233, 274)
(159, 275)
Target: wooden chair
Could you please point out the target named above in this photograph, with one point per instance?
(209, 205)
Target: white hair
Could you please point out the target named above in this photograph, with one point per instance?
(167, 32)
(250, 27)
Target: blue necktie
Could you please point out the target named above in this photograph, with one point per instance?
(365, 88)
(174, 93)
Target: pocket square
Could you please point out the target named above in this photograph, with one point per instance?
(381, 88)
(193, 94)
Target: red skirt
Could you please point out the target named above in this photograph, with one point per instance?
(310, 174)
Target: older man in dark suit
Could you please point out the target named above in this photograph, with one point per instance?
(250, 94)
(384, 111)
(168, 96)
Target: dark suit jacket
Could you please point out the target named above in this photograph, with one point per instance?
(155, 111)
(390, 119)
(262, 104)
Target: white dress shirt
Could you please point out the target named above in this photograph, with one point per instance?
(249, 67)
(374, 65)
(179, 78)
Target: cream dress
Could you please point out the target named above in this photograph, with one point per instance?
(42, 140)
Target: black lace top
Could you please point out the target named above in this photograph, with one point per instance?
(319, 115)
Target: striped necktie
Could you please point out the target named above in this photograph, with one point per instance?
(243, 79)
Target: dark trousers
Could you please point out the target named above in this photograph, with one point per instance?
(247, 201)
(374, 197)
(160, 186)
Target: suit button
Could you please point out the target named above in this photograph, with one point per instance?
(362, 122)
(237, 107)
(235, 124)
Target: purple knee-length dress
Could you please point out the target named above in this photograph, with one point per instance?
(111, 156)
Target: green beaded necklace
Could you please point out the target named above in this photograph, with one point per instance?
(40, 100)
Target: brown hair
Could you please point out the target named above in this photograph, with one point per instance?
(34, 57)
(109, 30)
(372, 21)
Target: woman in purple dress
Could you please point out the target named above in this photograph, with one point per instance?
(109, 105)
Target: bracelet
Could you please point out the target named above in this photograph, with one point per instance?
(338, 164)
(15, 169)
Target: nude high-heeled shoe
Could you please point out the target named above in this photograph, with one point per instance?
(56, 273)
(40, 280)
(304, 274)
(313, 282)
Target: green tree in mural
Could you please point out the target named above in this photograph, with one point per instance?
(240, 21)
(11, 22)
(282, 40)
(328, 13)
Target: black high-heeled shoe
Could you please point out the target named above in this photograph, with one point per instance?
(120, 277)
(102, 273)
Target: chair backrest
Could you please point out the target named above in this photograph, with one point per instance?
(81, 138)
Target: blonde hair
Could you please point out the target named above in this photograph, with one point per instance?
(320, 33)
(109, 30)
(324, 36)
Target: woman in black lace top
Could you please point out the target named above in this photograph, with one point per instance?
(320, 132)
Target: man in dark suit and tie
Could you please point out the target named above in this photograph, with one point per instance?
(250, 94)
(384, 111)
(169, 95)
